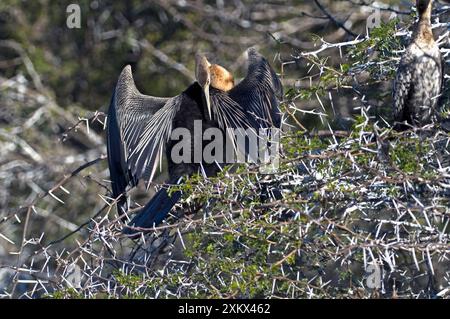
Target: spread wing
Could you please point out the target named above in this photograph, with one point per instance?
(253, 103)
(259, 91)
(137, 130)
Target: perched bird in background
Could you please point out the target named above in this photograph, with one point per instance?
(139, 127)
(418, 82)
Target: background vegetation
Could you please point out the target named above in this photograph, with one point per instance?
(350, 193)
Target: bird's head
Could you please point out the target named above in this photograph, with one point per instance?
(203, 76)
(424, 6)
(214, 75)
(221, 79)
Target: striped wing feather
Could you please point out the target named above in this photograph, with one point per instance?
(138, 128)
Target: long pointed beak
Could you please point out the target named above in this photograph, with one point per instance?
(208, 102)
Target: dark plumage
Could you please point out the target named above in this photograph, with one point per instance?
(418, 81)
(139, 127)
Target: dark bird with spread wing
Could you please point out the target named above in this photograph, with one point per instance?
(139, 127)
(418, 82)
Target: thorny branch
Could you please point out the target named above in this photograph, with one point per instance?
(351, 196)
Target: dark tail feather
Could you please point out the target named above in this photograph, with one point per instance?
(154, 212)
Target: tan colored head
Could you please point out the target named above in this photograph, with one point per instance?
(214, 75)
(221, 79)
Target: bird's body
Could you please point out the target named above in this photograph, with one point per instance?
(140, 128)
(181, 111)
(187, 108)
(192, 111)
(419, 76)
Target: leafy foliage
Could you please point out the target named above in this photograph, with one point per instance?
(350, 195)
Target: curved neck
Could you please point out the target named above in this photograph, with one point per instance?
(423, 31)
(195, 93)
